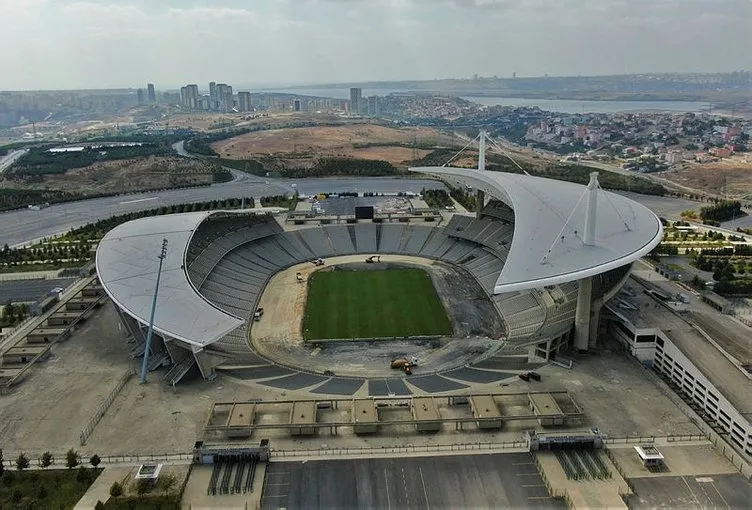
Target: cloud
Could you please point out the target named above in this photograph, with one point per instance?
(89, 43)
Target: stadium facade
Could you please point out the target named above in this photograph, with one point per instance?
(548, 254)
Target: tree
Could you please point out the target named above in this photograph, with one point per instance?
(167, 482)
(116, 490)
(142, 486)
(22, 462)
(71, 459)
(45, 460)
(95, 460)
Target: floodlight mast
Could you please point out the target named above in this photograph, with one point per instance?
(150, 334)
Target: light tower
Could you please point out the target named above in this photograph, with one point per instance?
(145, 364)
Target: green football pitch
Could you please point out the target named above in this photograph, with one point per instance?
(373, 304)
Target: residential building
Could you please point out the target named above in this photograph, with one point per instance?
(356, 95)
(296, 105)
(140, 96)
(374, 105)
(244, 101)
(224, 98)
(151, 93)
(189, 97)
(213, 95)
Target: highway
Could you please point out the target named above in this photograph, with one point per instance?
(7, 160)
(24, 225)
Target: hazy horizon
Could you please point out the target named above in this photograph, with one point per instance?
(71, 44)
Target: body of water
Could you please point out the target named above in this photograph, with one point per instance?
(576, 106)
(553, 105)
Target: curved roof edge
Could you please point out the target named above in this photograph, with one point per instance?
(547, 246)
(127, 264)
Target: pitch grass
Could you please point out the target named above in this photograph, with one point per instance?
(373, 304)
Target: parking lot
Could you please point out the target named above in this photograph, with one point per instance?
(460, 481)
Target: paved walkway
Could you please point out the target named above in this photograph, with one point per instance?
(100, 489)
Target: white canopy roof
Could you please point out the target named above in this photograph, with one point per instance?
(547, 247)
(127, 263)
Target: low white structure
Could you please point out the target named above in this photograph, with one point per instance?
(649, 455)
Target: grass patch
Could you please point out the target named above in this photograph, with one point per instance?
(373, 304)
(45, 489)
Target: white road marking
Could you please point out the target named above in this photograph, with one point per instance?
(425, 492)
(386, 479)
(697, 501)
(139, 200)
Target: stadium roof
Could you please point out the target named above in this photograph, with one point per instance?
(127, 263)
(547, 246)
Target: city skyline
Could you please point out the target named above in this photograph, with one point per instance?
(62, 44)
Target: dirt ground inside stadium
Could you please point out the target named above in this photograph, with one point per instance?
(278, 335)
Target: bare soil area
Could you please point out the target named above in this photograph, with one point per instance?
(127, 175)
(336, 141)
(734, 174)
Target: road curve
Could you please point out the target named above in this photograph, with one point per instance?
(24, 225)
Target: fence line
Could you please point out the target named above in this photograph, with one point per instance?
(89, 428)
(59, 459)
(367, 450)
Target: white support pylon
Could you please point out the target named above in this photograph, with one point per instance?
(482, 150)
(592, 204)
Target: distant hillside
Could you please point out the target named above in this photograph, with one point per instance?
(720, 87)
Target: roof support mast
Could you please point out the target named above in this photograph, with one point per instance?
(482, 150)
(592, 204)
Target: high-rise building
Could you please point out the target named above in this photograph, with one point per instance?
(244, 101)
(356, 95)
(150, 93)
(213, 95)
(296, 105)
(374, 105)
(224, 97)
(140, 96)
(189, 97)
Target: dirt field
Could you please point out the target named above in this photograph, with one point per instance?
(335, 141)
(734, 173)
(127, 175)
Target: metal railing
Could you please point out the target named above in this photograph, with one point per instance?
(391, 450)
(89, 428)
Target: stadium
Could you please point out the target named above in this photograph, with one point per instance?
(536, 262)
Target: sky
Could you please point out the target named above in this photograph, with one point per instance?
(68, 44)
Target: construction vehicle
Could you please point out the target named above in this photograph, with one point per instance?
(258, 313)
(405, 364)
(373, 258)
(318, 262)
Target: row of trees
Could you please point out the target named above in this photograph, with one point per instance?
(467, 200)
(11, 198)
(97, 229)
(608, 180)
(50, 252)
(738, 250)
(280, 201)
(72, 459)
(343, 166)
(13, 314)
(437, 198)
(722, 211)
(39, 161)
